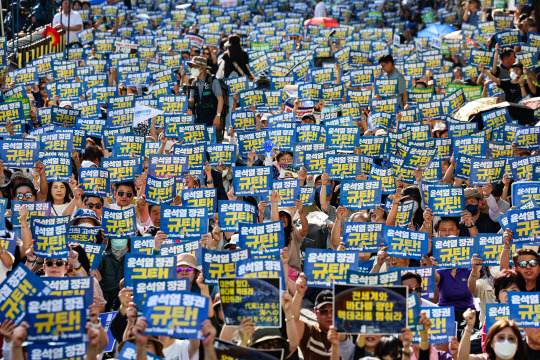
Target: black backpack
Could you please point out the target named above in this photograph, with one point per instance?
(225, 111)
(316, 238)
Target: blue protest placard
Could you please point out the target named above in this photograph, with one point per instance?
(392, 278)
(142, 288)
(19, 153)
(139, 266)
(57, 351)
(159, 191)
(166, 166)
(489, 248)
(57, 169)
(446, 201)
(443, 324)
(324, 267)
(486, 171)
(496, 312)
(220, 264)
(265, 240)
(259, 299)
(53, 318)
(405, 243)
(106, 319)
(232, 213)
(524, 309)
(470, 145)
(119, 224)
(522, 168)
(95, 181)
(57, 141)
(255, 180)
(496, 118)
(374, 146)
(224, 154)
(342, 137)
(523, 223)
(50, 241)
(201, 198)
(453, 252)
(35, 208)
(355, 309)
(262, 269)
(528, 138)
(94, 252)
(9, 243)
(508, 38)
(288, 190)
(184, 222)
(360, 195)
(364, 237)
(525, 191)
(307, 195)
(179, 314)
(20, 282)
(386, 87)
(72, 286)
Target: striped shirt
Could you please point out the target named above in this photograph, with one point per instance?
(314, 343)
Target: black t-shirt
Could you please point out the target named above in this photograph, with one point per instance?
(484, 224)
(531, 354)
(512, 91)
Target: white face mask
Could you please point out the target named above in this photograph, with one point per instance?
(195, 72)
(494, 270)
(85, 225)
(513, 76)
(415, 206)
(505, 349)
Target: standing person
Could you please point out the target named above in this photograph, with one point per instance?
(206, 98)
(69, 21)
(390, 72)
(470, 12)
(235, 60)
(320, 9)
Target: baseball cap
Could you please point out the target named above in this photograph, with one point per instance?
(472, 193)
(324, 298)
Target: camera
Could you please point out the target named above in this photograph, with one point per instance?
(186, 88)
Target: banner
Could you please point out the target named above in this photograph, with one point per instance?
(220, 264)
(364, 237)
(360, 195)
(50, 241)
(259, 299)
(453, 252)
(59, 351)
(486, 171)
(118, 224)
(324, 267)
(443, 324)
(179, 314)
(166, 166)
(53, 318)
(252, 181)
(224, 154)
(72, 286)
(525, 191)
(57, 169)
(265, 240)
(95, 181)
(122, 169)
(232, 213)
(523, 223)
(184, 222)
(138, 266)
(524, 308)
(370, 309)
(262, 269)
(201, 198)
(405, 243)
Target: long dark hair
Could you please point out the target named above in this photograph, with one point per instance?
(495, 329)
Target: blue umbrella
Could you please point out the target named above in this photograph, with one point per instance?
(436, 30)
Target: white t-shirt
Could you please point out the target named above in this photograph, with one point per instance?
(69, 21)
(178, 350)
(320, 10)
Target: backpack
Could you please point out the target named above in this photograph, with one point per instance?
(225, 111)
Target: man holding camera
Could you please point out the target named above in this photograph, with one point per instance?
(206, 97)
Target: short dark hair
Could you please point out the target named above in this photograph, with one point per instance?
(92, 153)
(506, 278)
(453, 219)
(86, 197)
(25, 182)
(411, 275)
(130, 184)
(520, 252)
(387, 345)
(386, 58)
(506, 52)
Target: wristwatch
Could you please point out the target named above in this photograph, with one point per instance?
(472, 225)
(96, 326)
(218, 114)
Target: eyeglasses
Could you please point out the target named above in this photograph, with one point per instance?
(523, 263)
(128, 194)
(416, 289)
(21, 196)
(325, 312)
(270, 344)
(59, 263)
(182, 269)
(95, 206)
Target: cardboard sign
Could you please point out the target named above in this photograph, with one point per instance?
(324, 267)
(139, 266)
(220, 264)
(453, 252)
(265, 240)
(119, 224)
(405, 243)
(232, 213)
(360, 195)
(364, 237)
(524, 308)
(184, 222)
